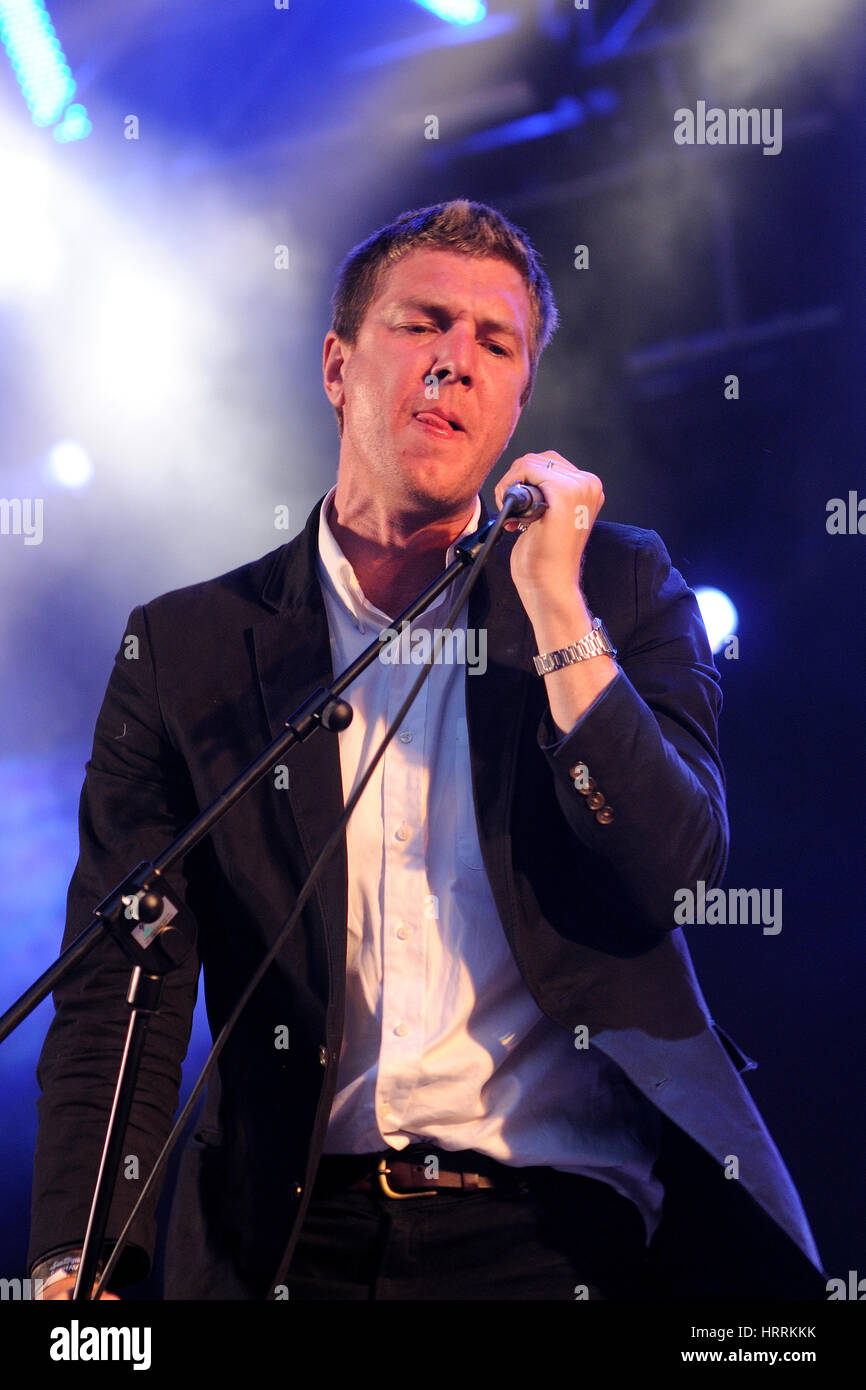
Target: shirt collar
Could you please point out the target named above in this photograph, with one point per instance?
(341, 577)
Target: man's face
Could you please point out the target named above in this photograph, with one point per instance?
(465, 320)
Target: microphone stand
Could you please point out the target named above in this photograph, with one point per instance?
(153, 930)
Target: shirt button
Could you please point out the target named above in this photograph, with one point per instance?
(405, 737)
(404, 933)
(401, 1030)
(402, 832)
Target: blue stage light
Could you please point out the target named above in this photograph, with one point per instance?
(74, 126)
(456, 11)
(719, 615)
(37, 58)
(69, 464)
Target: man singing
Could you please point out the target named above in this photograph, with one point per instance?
(502, 1080)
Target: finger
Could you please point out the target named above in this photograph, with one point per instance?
(534, 468)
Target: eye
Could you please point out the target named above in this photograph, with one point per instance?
(500, 350)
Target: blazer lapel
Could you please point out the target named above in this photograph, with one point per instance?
(293, 658)
(495, 714)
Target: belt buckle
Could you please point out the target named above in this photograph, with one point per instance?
(383, 1171)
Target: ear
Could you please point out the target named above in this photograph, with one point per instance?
(520, 409)
(334, 356)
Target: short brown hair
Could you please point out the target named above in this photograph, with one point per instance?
(470, 229)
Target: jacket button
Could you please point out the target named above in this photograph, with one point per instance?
(595, 801)
(323, 1055)
(297, 1189)
(604, 816)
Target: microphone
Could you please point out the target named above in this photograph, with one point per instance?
(529, 501)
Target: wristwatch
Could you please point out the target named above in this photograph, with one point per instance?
(595, 643)
(51, 1270)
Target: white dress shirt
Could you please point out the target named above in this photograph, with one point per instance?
(443, 1041)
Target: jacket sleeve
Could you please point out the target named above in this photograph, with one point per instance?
(650, 794)
(136, 796)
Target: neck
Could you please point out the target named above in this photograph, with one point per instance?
(394, 561)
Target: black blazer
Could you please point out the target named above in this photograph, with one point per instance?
(586, 902)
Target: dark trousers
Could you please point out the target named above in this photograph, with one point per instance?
(558, 1236)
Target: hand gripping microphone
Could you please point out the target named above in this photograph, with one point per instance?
(529, 501)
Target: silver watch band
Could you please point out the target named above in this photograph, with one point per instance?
(595, 643)
(58, 1266)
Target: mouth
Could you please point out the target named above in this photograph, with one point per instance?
(437, 424)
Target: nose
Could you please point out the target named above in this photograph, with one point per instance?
(455, 352)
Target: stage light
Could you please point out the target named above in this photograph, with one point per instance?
(74, 126)
(456, 11)
(37, 58)
(69, 464)
(719, 615)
